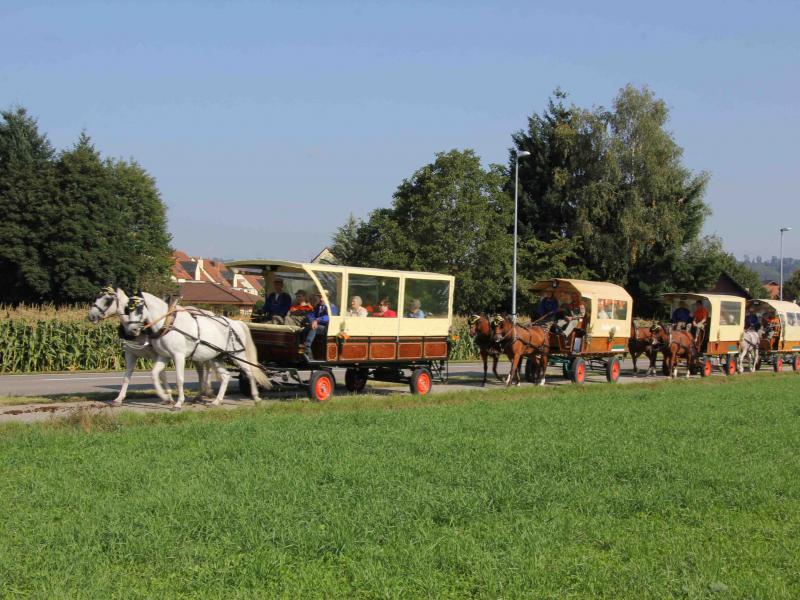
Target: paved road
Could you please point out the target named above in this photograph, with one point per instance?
(463, 377)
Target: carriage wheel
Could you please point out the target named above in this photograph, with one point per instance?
(320, 386)
(705, 367)
(730, 366)
(355, 380)
(578, 371)
(796, 363)
(778, 364)
(421, 382)
(612, 369)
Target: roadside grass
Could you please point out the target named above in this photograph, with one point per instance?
(677, 489)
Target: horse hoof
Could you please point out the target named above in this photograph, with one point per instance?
(175, 408)
(116, 403)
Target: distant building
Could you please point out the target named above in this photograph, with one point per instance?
(223, 289)
(325, 257)
(729, 286)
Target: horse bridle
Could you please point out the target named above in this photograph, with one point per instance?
(104, 311)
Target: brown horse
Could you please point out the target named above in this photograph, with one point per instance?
(675, 345)
(518, 341)
(480, 330)
(641, 342)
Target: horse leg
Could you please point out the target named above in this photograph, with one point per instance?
(688, 366)
(180, 370)
(543, 370)
(634, 356)
(653, 356)
(516, 366)
(248, 370)
(130, 364)
(167, 389)
(485, 358)
(495, 360)
(158, 367)
(224, 376)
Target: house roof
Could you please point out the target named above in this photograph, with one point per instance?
(202, 292)
(180, 255)
(217, 271)
(255, 280)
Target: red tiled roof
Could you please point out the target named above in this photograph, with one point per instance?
(255, 280)
(180, 255)
(216, 271)
(200, 292)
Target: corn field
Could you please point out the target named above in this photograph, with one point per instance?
(46, 338)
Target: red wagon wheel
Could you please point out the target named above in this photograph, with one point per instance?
(730, 366)
(796, 362)
(320, 386)
(421, 382)
(778, 365)
(613, 369)
(578, 371)
(705, 367)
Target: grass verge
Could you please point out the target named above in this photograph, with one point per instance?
(684, 489)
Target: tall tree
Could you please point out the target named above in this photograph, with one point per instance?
(142, 229)
(611, 186)
(27, 189)
(451, 216)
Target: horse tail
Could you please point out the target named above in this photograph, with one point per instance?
(251, 356)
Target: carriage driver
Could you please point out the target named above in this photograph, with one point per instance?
(576, 312)
(699, 319)
(681, 316)
(277, 303)
(751, 321)
(548, 304)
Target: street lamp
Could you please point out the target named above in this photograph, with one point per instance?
(520, 154)
(783, 230)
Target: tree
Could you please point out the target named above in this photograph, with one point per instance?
(791, 287)
(610, 184)
(147, 256)
(27, 188)
(451, 216)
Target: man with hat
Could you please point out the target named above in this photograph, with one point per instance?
(318, 320)
(277, 304)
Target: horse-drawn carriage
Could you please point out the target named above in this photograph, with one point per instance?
(407, 344)
(718, 342)
(780, 332)
(599, 338)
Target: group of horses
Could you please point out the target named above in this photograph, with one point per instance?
(497, 335)
(151, 328)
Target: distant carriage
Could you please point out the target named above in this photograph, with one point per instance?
(601, 340)
(719, 342)
(399, 349)
(781, 344)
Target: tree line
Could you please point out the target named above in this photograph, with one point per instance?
(72, 220)
(604, 195)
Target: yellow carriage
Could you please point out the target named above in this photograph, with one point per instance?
(600, 339)
(720, 339)
(780, 343)
(408, 343)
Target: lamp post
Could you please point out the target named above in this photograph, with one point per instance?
(521, 154)
(783, 230)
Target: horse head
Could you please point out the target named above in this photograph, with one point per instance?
(473, 323)
(109, 303)
(501, 328)
(137, 316)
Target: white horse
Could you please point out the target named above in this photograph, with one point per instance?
(180, 333)
(751, 340)
(111, 303)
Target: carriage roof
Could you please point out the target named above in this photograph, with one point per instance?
(780, 306)
(590, 289)
(714, 300)
(301, 267)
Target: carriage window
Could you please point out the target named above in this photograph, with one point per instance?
(371, 290)
(790, 318)
(612, 309)
(332, 283)
(730, 313)
(426, 298)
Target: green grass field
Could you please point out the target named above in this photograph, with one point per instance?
(686, 489)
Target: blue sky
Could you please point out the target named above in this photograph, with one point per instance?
(265, 124)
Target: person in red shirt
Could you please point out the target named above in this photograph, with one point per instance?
(699, 319)
(384, 310)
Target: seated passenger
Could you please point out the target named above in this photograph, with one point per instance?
(576, 313)
(681, 316)
(356, 310)
(604, 309)
(415, 310)
(318, 320)
(277, 303)
(384, 310)
(751, 321)
(548, 304)
(699, 319)
(771, 324)
(298, 312)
